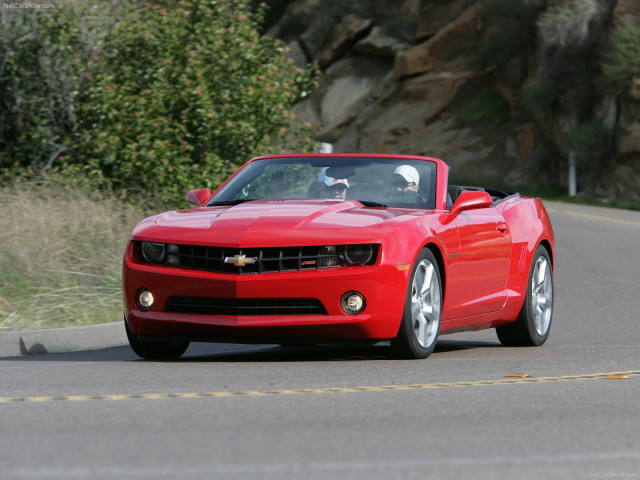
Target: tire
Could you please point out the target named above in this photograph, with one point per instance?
(163, 350)
(531, 327)
(420, 324)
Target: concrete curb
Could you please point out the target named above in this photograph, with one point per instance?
(62, 340)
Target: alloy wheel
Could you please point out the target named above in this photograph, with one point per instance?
(425, 303)
(541, 295)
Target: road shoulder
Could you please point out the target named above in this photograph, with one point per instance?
(62, 340)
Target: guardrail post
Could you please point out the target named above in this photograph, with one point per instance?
(572, 174)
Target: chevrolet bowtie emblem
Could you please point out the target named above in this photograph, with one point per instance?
(240, 260)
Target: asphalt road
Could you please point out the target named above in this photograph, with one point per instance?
(235, 412)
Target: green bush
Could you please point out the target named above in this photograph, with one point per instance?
(487, 106)
(40, 76)
(593, 144)
(513, 33)
(153, 98)
(538, 96)
(622, 63)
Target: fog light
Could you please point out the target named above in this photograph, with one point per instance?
(144, 299)
(353, 303)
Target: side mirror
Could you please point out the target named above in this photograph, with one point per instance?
(470, 200)
(198, 197)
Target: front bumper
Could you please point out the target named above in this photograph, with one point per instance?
(383, 286)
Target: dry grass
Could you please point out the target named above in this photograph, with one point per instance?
(60, 256)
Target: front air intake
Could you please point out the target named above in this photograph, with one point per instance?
(245, 306)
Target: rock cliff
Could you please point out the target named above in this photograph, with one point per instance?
(503, 90)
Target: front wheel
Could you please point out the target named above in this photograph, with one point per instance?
(164, 350)
(532, 326)
(420, 324)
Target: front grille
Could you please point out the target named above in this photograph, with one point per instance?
(245, 306)
(216, 259)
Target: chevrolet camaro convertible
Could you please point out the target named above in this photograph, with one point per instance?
(310, 249)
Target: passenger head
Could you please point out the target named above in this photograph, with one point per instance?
(334, 187)
(406, 178)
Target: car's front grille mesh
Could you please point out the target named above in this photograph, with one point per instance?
(245, 306)
(254, 260)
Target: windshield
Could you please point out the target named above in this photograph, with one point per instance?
(378, 182)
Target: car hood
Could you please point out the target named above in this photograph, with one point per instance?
(274, 221)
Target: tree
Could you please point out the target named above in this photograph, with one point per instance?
(171, 96)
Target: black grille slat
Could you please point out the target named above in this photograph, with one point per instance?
(245, 306)
(267, 260)
(212, 259)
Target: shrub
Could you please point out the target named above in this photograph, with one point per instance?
(40, 76)
(159, 98)
(514, 35)
(622, 63)
(572, 24)
(487, 106)
(538, 96)
(593, 144)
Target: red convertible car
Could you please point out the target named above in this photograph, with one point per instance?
(317, 248)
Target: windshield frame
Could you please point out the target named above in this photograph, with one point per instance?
(339, 163)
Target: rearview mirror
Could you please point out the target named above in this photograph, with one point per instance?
(470, 200)
(198, 197)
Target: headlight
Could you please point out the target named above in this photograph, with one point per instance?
(153, 252)
(361, 254)
(347, 255)
(166, 253)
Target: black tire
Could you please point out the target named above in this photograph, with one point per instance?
(164, 350)
(532, 326)
(418, 333)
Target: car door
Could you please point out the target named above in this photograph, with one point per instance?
(479, 272)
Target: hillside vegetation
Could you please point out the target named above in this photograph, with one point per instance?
(145, 99)
(61, 251)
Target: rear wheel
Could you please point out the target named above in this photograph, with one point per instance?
(420, 325)
(532, 326)
(164, 350)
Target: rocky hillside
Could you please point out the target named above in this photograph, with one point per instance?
(503, 90)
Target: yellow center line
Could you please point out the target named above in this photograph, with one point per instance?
(593, 216)
(327, 390)
(78, 398)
